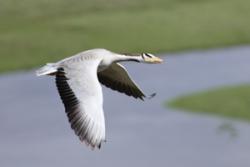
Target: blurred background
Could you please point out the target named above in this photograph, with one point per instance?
(34, 32)
(205, 45)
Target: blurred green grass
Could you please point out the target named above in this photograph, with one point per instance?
(232, 102)
(35, 32)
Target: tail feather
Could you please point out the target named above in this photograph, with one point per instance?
(48, 69)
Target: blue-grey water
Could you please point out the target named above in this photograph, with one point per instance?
(34, 130)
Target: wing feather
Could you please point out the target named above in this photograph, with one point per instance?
(88, 124)
(117, 78)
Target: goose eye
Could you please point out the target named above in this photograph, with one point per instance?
(148, 55)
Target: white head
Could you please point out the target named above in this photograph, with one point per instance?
(150, 58)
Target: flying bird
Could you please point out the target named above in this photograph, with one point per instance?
(78, 81)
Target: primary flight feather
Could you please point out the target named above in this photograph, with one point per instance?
(78, 81)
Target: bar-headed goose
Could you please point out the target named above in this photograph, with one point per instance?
(78, 81)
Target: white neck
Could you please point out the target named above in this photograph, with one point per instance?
(120, 57)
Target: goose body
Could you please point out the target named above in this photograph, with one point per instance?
(78, 81)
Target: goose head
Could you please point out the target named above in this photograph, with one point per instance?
(150, 58)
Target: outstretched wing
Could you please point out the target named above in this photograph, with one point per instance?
(81, 94)
(117, 78)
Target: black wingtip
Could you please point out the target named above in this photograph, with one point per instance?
(151, 96)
